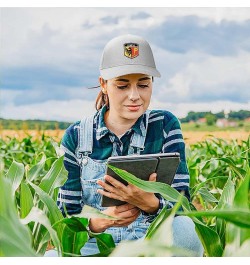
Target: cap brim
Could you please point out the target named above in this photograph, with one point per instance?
(128, 69)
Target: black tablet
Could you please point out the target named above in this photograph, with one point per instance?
(142, 166)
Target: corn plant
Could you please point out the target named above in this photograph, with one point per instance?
(29, 200)
(229, 235)
(31, 173)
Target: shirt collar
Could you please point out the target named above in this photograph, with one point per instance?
(101, 129)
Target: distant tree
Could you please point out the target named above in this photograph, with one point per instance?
(211, 119)
(220, 115)
(194, 116)
(240, 115)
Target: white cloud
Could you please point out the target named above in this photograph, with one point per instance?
(74, 110)
(56, 35)
(71, 110)
(181, 109)
(213, 77)
(70, 39)
(8, 96)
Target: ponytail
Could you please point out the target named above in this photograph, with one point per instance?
(101, 100)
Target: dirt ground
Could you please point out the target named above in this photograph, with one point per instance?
(189, 136)
(20, 134)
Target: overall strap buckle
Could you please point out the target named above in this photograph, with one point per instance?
(85, 140)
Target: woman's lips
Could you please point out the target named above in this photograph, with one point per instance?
(133, 107)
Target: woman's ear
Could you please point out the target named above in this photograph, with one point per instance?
(103, 85)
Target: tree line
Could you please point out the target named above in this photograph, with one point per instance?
(232, 115)
(39, 125)
(9, 124)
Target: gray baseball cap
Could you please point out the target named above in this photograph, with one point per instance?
(127, 54)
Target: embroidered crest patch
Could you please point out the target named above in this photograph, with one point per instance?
(131, 50)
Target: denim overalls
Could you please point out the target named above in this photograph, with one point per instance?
(92, 170)
(183, 228)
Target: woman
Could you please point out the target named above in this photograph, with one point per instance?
(123, 125)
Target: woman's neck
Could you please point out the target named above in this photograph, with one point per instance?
(117, 125)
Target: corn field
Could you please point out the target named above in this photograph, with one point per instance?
(31, 172)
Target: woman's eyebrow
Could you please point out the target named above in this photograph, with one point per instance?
(121, 79)
(126, 80)
(144, 78)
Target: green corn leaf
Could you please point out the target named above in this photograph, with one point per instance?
(15, 174)
(197, 187)
(227, 196)
(38, 216)
(148, 248)
(34, 172)
(164, 233)
(15, 238)
(238, 217)
(241, 251)
(72, 242)
(235, 235)
(90, 212)
(238, 171)
(58, 150)
(76, 224)
(54, 213)
(73, 235)
(232, 238)
(206, 195)
(165, 190)
(210, 240)
(26, 200)
(55, 178)
(241, 198)
(163, 215)
(163, 221)
(226, 201)
(105, 242)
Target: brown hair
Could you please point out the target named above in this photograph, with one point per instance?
(101, 100)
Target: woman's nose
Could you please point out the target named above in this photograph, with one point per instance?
(134, 94)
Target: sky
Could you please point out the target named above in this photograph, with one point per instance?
(50, 56)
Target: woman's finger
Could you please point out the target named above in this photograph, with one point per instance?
(115, 182)
(126, 221)
(152, 177)
(109, 194)
(107, 186)
(124, 207)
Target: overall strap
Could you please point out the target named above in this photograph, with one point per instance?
(85, 137)
(138, 140)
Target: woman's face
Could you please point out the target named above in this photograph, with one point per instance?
(129, 95)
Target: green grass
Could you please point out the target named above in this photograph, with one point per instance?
(245, 126)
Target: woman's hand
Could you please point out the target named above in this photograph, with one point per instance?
(126, 213)
(145, 201)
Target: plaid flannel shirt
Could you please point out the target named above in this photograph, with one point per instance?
(163, 135)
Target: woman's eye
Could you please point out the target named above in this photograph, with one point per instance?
(143, 86)
(122, 87)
